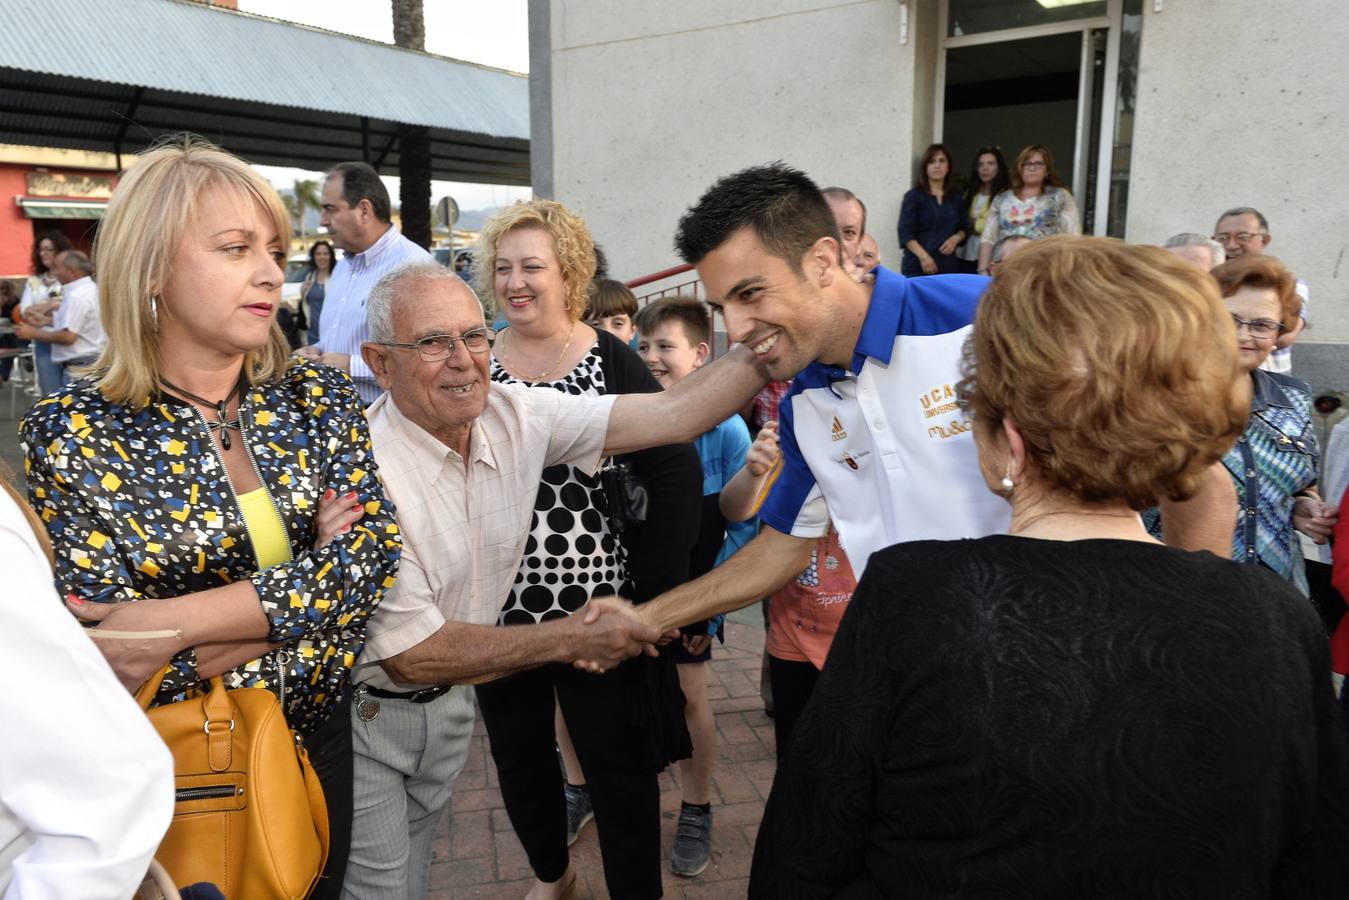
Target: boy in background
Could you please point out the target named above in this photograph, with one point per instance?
(612, 307)
(674, 338)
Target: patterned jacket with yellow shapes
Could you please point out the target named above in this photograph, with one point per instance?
(138, 504)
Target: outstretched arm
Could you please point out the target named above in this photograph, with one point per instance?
(702, 400)
(760, 567)
(607, 632)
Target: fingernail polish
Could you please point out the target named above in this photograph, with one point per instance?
(71, 598)
(346, 527)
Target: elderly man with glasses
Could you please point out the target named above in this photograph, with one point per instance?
(462, 458)
(1245, 230)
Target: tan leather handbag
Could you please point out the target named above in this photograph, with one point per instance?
(250, 816)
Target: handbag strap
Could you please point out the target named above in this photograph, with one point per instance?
(217, 717)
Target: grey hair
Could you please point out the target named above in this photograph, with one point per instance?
(1247, 211)
(379, 305)
(1195, 239)
(77, 261)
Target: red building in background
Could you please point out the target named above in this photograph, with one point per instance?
(36, 199)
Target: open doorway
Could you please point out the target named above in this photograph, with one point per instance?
(1014, 93)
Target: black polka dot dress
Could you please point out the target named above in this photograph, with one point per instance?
(570, 555)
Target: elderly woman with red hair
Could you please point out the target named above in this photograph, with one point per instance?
(1073, 709)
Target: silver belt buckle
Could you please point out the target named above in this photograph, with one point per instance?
(366, 708)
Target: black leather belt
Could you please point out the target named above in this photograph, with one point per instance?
(425, 695)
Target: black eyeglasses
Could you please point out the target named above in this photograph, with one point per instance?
(1261, 328)
(441, 346)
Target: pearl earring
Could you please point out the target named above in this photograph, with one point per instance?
(1007, 483)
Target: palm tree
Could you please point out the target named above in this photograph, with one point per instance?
(306, 197)
(414, 141)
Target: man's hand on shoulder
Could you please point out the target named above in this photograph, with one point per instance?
(607, 632)
(309, 352)
(336, 360)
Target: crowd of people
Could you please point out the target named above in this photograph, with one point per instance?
(1038, 618)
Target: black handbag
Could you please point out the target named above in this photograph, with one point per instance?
(626, 495)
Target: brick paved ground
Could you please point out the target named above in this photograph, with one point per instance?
(478, 855)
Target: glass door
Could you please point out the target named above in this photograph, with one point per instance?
(1021, 72)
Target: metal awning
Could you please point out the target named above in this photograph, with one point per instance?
(269, 91)
(52, 208)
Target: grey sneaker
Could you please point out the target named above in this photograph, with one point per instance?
(693, 842)
(579, 810)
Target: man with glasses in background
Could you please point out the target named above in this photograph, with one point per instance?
(1245, 230)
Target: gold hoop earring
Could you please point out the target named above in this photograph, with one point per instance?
(154, 311)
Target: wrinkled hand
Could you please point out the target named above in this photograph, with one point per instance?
(336, 515)
(1314, 518)
(609, 631)
(336, 360)
(928, 263)
(133, 658)
(309, 352)
(948, 246)
(763, 453)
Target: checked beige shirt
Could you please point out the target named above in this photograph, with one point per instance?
(464, 527)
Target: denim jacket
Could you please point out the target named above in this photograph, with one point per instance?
(138, 504)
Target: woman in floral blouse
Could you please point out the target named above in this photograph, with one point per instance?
(201, 482)
(1037, 206)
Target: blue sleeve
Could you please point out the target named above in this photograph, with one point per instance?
(941, 304)
(795, 505)
(735, 446)
(908, 219)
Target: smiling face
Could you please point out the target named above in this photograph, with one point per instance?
(530, 288)
(780, 315)
(323, 258)
(669, 354)
(445, 396)
(225, 279)
(1241, 234)
(1254, 304)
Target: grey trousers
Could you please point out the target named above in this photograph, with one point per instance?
(405, 761)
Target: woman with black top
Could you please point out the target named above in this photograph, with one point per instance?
(537, 259)
(932, 220)
(1073, 709)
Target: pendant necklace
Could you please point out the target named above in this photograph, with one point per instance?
(537, 378)
(222, 424)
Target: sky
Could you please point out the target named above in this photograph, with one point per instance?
(492, 33)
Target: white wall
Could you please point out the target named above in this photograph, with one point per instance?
(1242, 103)
(652, 101)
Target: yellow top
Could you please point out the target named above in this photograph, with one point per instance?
(271, 546)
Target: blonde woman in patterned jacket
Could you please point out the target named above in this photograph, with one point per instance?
(203, 483)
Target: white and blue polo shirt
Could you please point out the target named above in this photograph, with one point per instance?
(881, 447)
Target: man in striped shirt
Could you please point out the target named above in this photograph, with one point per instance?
(356, 212)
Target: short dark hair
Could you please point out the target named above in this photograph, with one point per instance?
(610, 298)
(1246, 211)
(690, 312)
(77, 262)
(783, 206)
(360, 182)
(842, 193)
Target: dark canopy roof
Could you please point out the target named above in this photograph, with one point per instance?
(99, 75)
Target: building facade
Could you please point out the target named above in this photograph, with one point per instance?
(44, 189)
(1160, 114)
